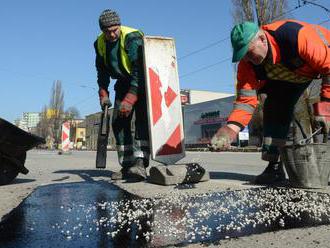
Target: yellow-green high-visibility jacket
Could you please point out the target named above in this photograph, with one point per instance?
(124, 60)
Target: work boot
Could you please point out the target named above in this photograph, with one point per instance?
(138, 170)
(274, 173)
(120, 175)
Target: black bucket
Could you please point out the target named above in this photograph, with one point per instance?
(308, 166)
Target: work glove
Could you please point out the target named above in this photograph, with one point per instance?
(223, 138)
(104, 98)
(322, 117)
(126, 105)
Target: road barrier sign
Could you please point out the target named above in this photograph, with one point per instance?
(163, 100)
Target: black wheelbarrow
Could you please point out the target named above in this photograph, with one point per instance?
(14, 143)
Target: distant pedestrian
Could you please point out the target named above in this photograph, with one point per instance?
(119, 56)
(279, 59)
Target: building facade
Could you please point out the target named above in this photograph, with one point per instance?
(197, 96)
(204, 112)
(202, 120)
(92, 130)
(32, 119)
(29, 121)
(78, 133)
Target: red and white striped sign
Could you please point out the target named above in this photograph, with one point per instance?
(66, 136)
(163, 100)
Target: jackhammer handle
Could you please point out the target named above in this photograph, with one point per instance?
(105, 124)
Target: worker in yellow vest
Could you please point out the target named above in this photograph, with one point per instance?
(119, 56)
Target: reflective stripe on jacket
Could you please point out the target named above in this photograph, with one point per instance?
(124, 60)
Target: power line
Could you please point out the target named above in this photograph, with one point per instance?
(193, 52)
(203, 48)
(318, 5)
(44, 77)
(323, 22)
(204, 68)
(184, 75)
(227, 38)
(87, 86)
(84, 100)
(222, 61)
(291, 10)
(200, 50)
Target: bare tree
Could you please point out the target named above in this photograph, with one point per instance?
(270, 10)
(57, 99)
(243, 11)
(42, 127)
(45, 127)
(52, 116)
(266, 11)
(56, 106)
(72, 113)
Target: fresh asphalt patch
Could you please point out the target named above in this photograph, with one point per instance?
(102, 215)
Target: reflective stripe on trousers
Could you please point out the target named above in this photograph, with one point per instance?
(128, 147)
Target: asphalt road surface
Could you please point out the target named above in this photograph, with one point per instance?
(227, 211)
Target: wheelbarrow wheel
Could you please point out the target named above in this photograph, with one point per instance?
(8, 171)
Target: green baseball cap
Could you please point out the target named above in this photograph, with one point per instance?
(241, 35)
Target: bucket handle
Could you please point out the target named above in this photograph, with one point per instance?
(305, 141)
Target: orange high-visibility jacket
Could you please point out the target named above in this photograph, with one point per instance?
(300, 52)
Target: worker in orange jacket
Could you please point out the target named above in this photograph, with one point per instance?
(279, 59)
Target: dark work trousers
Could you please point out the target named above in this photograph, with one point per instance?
(129, 145)
(278, 114)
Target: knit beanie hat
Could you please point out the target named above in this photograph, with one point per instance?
(108, 18)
